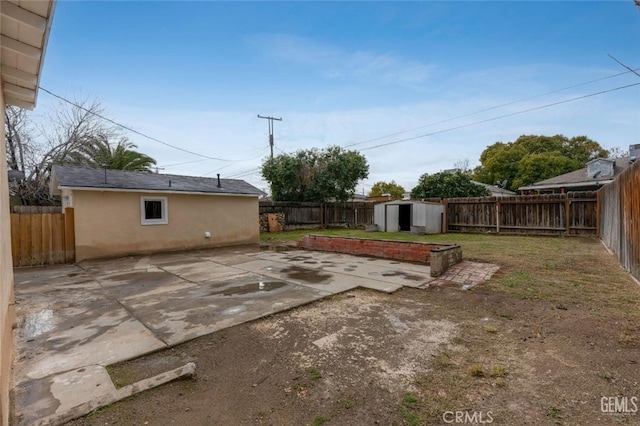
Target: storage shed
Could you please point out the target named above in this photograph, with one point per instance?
(409, 215)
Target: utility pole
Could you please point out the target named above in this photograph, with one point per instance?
(270, 130)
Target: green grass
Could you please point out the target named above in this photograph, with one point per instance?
(314, 373)
(318, 420)
(409, 410)
(557, 269)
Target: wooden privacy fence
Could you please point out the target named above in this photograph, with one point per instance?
(574, 213)
(620, 218)
(303, 215)
(41, 236)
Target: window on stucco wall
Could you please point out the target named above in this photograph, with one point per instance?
(153, 211)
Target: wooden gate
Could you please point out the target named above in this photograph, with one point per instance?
(42, 238)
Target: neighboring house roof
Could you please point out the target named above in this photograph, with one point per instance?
(85, 178)
(579, 178)
(24, 30)
(494, 189)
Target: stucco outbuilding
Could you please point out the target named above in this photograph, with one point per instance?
(122, 212)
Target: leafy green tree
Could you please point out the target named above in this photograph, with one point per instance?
(447, 185)
(120, 156)
(532, 158)
(392, 188)
(315, 175)
(536, 167)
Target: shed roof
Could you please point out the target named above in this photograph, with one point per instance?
(85, 178)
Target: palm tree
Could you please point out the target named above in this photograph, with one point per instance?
(100, 153)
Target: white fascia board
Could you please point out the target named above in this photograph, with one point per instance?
(151, 191)
(45, 41)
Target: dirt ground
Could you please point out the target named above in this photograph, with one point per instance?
(504, 353)
(358, 358)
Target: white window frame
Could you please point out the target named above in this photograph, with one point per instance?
(165, 211)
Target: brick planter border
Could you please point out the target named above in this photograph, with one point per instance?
(438, 256)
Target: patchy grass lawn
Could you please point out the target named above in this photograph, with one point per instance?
(554, 331)
(566, 270)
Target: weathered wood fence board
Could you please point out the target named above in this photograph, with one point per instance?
(620, 218)
(42, 238)
(574, 213)
(301, 215)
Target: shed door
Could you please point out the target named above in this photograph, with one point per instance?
(392, 217)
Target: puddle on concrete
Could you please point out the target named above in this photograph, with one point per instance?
(36, 324)
(297, 258)
(309, 275)
(405, 275)
(152, 277)
(234, 310)
(259, 287)
(269, 247)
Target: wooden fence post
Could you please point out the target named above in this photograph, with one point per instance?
(497, 217)
(69, 236)
(445, 225)
(598, 213)
(567, 214)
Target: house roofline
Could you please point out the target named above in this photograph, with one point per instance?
(155, 191)
(565, 185)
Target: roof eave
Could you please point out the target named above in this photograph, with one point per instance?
(157, 191)
(24, 94)
(566, 185)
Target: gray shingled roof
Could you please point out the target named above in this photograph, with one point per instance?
(580, 176)
(85, 177)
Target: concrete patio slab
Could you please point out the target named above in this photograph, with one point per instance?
(188, 313)
(67, 390)
(74, 320)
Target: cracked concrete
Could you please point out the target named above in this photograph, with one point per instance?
(75, 320)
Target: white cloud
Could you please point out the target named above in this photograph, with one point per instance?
(336, 63)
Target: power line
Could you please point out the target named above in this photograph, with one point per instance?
(500, 117)
(627, 67)
(130, 129)
(186, 162)
(491, 108)
(254, 170)
(228, 165)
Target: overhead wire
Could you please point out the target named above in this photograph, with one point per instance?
(491, 108)
(133, 130)
(264, 151)
(500, 117)
(254, 170)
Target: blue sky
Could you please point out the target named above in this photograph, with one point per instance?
(196, 74)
